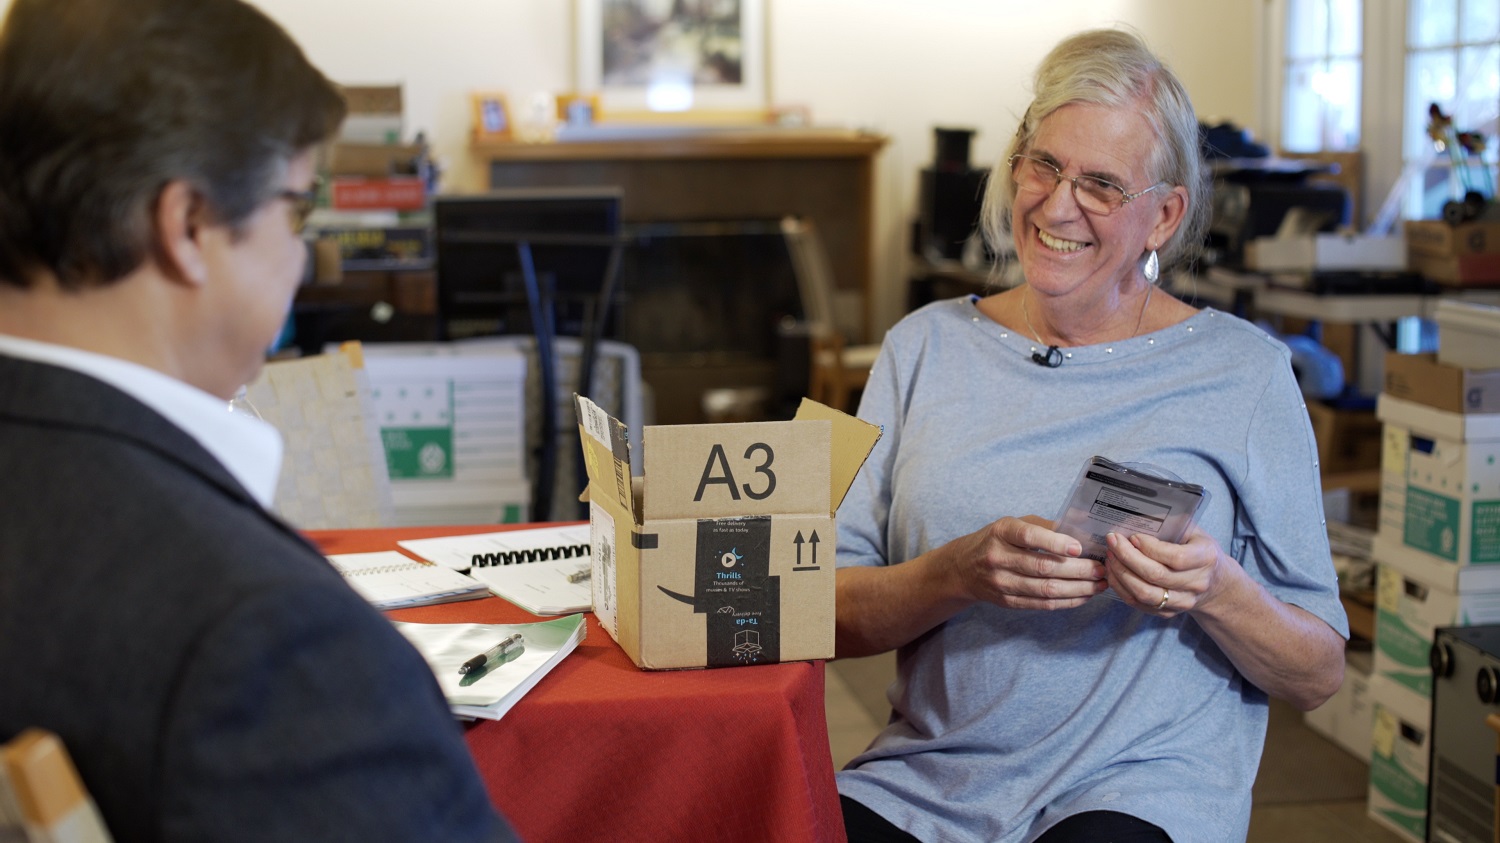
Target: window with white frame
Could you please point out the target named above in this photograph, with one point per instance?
(1452, 62)
(1322, 70)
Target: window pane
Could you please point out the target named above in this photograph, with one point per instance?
(1346, 28)
(1480, 21)
(1429, 79)
(1432, 22)
(1478, 88)
(1341, 93)
(1306, 29)
(1302, 108)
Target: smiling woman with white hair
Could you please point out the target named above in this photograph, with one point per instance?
(1029, 704)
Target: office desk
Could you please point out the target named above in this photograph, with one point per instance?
(600, 750)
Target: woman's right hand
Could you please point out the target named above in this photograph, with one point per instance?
(1022, 563)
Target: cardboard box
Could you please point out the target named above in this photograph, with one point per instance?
(1401, 738)
(1468, 334)
(372, 99)
(1348, 717)
(1458, 270)
(373, 159)
(375, 114)
(722, 554)
(1408, 612)
(1348, 440)
(1438, 238)
(1422, 379)
(1306, 252)
(1452, 497)
(1388, 549)
(1395, 445)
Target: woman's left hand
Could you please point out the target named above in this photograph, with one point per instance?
(1161, 578)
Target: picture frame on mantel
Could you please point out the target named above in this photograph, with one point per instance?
(657, 58)
(492, 120)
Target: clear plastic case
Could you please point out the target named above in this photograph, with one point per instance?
(1128, 498)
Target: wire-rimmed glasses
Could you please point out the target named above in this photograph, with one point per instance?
(1092, 193)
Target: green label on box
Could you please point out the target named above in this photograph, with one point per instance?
(418, 452)
(1484, 535)
(1407, 649)
(1431, 523)
(1397, 784)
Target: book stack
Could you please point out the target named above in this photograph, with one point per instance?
(1437, 551)
(377, 187)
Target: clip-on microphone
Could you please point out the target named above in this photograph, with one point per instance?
(1052, 359)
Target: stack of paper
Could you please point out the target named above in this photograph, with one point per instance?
(488, 693)
(391, 580)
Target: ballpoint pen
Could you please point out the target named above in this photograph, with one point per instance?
(511, 644)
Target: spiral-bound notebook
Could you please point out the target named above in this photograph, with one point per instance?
(544, 570)
(391, 580)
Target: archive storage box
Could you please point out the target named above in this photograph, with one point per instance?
(1456, 255)
(1349, 715)
(1400, 743)
(1468, 334)
(1421, 379)
(1451, 507)
(723, 553)
(1408, 612)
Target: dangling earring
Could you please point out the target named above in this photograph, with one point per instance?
(1152, 269)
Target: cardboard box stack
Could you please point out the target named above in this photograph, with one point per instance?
(1455, 255)
(722, 554)
(1437, 548)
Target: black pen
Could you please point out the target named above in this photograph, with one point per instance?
(511, 644)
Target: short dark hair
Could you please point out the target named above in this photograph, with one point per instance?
(104, 102)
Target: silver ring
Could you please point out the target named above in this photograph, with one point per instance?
(1165, 596)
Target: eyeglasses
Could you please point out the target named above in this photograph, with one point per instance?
(1092, 193)
(301, 204)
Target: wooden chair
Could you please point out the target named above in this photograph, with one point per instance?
(41, 796)
(836, 368)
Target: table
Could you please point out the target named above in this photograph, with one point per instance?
(600, 750)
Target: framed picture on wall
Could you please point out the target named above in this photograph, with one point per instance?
(662, 56)
(491, 119)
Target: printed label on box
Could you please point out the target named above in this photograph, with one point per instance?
(1484, 536)
(734, 588)
(413, 452)
(1399, 754)
(1396, 639)
(1430, 523)
(602, 560)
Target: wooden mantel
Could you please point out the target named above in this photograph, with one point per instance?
(687, 143)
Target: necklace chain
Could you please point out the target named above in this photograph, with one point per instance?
(1025, 314)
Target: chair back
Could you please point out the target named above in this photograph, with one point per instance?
(41, 796)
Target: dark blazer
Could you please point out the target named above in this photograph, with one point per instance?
(210, 674)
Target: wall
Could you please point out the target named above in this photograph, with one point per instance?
(895, 66)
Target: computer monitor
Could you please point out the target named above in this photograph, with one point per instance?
(536, 262)
(570, 233)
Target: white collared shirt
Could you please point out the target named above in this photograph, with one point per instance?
(249, 448)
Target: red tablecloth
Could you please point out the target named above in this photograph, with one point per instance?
(601, 750)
